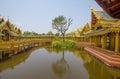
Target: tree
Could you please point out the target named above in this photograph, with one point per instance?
(57, 34)
(61, 24)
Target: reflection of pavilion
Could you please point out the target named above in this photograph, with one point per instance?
(60, 67)
(82, 55)
(15, 60)
(96, 69)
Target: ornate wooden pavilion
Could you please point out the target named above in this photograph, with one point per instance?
(8, 31)
(105, 30)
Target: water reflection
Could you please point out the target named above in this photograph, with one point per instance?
(15, 60)
(60, 67)
(96, 69)
(49, 63)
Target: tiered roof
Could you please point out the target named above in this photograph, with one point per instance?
(102, 23)
(80, 32)
(6, 25)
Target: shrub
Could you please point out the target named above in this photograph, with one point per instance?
(65, 44)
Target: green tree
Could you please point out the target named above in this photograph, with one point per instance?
(57, 34)
(61, 24)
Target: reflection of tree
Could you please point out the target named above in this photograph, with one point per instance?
(51, 49)
(60, 67)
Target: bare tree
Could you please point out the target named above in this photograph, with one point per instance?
(61, 24)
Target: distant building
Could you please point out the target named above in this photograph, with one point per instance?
(80, 33)
(8, 31)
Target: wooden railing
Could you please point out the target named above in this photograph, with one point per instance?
(13, 47)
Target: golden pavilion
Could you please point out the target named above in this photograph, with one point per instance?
(105, 30)
(8, 31)
(102, 32)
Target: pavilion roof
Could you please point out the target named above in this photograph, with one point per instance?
(101, 14)
(13, 33)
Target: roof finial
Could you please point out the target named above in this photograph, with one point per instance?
(8, 19)
(91, 8)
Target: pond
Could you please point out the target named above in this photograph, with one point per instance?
(48, 63)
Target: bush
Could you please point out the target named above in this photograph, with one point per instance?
(65, 44)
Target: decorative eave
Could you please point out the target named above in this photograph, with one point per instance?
(103, 31)
(8, 24)
(1, 19)
(85, 29)
(13, 34)
(94, 12)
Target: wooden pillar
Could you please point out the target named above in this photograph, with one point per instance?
(0, 54)
(83, 39)
(99, 39)
(96, 41)
(90, 40)
(100, 43)
(112, 41)
(117, 42)
(104, 40)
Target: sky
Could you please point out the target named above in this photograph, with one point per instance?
(37, 15)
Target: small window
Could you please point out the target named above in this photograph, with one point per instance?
(98, 28)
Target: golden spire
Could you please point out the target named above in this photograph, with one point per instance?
(91, 8)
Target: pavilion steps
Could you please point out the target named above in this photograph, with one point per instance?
(110, 60)
(116, 56)
(106, 56)
(105, 51)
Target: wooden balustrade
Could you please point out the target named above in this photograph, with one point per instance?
(13, 47)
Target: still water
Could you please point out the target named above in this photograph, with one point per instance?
(48, 63)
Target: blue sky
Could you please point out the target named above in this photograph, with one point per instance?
(37, 15)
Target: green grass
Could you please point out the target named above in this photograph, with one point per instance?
(65, 44)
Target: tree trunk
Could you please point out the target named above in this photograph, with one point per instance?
(63, 37)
